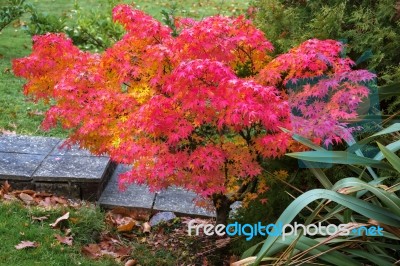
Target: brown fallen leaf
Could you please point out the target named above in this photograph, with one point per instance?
(67, 240)
(27, 199)
(43, 194)
(26, 244)
(107, 253)
(126, 224)
(26, 191)
(139, 215)
(41, 218)
(62, 218)
(46, 203)
(5, 188)
(146, 227)
(123, 252)
(59, 200)
(93, 251)
(9, 197)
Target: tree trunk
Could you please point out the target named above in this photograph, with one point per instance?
(223, 206)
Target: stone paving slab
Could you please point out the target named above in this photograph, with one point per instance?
(74, 150)
(180, 201)
(27, 144)
(72, 169)
(135, 196)
(173, 199)
(40, 163)
(18, 166)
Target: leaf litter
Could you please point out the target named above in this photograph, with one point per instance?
(124, 227)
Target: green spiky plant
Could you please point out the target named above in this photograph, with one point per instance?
(369, 198)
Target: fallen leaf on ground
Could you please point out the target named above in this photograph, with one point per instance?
(43, 194)
(9, 197)
(67, 240)
(146, 227)
(60, 200)
(131, 263)
(27, 199)
(41, 218)
(123, 252)
(5, 188)
(26, 191)
(139, 215)
(93, 251)
(62, 218)
(26, 244)
(126, 224)
(7, 132)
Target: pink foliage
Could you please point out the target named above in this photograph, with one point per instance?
(178, 109)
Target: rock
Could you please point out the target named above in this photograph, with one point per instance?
(162, 217)
(234, 208)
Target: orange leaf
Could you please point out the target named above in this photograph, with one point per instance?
(26, 191)
(5, 188)
(127, 225)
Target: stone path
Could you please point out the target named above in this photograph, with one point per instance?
(39, 163)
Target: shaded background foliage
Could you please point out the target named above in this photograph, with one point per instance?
(363, 24)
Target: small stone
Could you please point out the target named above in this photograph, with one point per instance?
(162, 217)
(234, 208)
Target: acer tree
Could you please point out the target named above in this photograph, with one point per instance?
(202, 110)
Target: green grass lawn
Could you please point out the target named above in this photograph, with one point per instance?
(16, 225)
(87, 223)
(23, 117)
